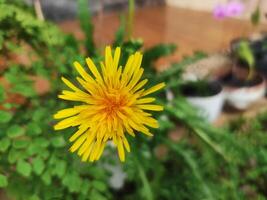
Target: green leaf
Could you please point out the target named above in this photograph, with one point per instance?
(58, 141)
(86, 25)
(4, 144)
(42, 142)
(5, 116)
(2, 90)
(33, 129)
(3, 181)
(99, 185)
(73, 182)
(13, 156)
(255, 17)
(38, 165)
(15, 131)
(39, 114)
(60, 168)
(20, 144)
(24, 168)
(46, 177)
(120, 34)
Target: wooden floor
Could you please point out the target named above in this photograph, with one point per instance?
(190, 30)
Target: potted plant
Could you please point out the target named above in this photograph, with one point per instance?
(205, 95)
(243, 86)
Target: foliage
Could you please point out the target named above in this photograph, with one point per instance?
(244, 53)
(203, 163)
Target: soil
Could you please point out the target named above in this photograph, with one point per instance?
(201, 89)
(231, 80)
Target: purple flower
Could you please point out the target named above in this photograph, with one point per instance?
(231, 9)
(234, 8)
(220, 11)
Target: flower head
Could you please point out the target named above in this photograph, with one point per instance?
(219, 11)
(231, 9)
(234, 8)
(114, 104)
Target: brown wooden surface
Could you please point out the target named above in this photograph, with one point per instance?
(190, 30)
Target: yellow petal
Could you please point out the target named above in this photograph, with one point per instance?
(151, 107)
(153, 89)
(116, 58)
(78, 143)
(81, 130)
(65, 123)
(83, 73)
(121, 150)
(93, 69)
(145, 100)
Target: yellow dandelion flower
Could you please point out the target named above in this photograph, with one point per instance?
(113, 103)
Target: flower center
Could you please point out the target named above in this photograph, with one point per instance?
(114, 102)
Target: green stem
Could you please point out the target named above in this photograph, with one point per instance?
(131, 18)
(146, 186)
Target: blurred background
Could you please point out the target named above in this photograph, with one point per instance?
(211, 142)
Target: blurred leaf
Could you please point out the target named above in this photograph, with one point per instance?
(120, 34)
(60, 168)
(255, 16)
(26, 90)
(33, 129)
(46, 177)
(34, 197)
(38, 165)
(5, 116)
(24, 168)
(154, 53)
(4, 144)
(73, 182)
(86, 25)
(15, 131)
(13, 156)
(20, 144)
(100, 186)
(41, 142)
(2, 91)
(3, 181)
(39, 114)
(58, 141)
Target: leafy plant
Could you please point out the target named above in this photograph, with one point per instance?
(245, 53)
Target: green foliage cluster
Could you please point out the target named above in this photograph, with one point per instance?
(206, 162)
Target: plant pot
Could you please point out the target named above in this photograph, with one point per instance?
(240, 94)
(209, 105)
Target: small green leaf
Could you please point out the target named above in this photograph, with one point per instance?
(5, 116)
(42, 142)
(15, 131)
(33, 129)
(46, 177)
(60, 168)
(13, 156)
(3, 181)
(58, 141)
(2, 90)
(100, 186)
(24, 168)
(4, 144)
(20, 144)
(73, 182)
(255, 17)
(38, 165)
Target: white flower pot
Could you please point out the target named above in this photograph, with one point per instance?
(242, 97)
(209, 107)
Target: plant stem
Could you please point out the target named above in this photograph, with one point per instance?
(146, 186)
(38, 9)
(131, 18)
